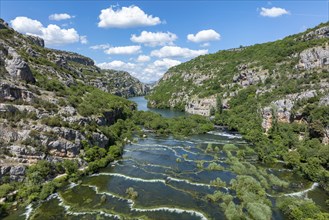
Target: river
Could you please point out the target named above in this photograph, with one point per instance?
(164, 173)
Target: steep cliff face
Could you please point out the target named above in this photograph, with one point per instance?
(49, 107)
(286, 75)
(119, 83)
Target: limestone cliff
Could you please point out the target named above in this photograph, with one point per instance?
(287, 75)
(50, 104)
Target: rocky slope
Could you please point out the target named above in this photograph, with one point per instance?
(119, 83)
(275, 94)
(284, 74)
(54, 103)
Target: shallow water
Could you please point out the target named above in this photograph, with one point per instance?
(142, 106)
(166, 189)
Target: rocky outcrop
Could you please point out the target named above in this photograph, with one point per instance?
(15, 173)
(3, 24)
(41, 119)
(317, 34)
(11, 92)
(73, 57)
(17, 67)
(36, 40)
(316, 57)
(248, 76)
(119, 83)
(201, 106)
(325, 139)
(282, 109)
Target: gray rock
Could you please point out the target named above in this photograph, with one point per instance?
(119, 83)
(17, 173)
(201, 106)
(32, 52)
(99, 140)
(63, 148)
(68, 110)
(324, 100)
(314, 58)
(17, 67)
(317, 34)
(36, 40)
(11, 92)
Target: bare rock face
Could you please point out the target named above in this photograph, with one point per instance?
(119, 83)
(325, 139)
(247, 76)
(17, 67)
(267, 118)
(36, 40)
(324, 100)
(282, 108)
(15, 173)
(317, 34)
(11, 92)
(68, 56)
(316, 57)
(201, 106)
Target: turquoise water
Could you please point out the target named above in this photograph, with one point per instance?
(142, 106)
(167, 189)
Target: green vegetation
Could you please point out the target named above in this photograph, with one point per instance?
(131, 193)
(298, 144)
(179, 126)
(218, 182)
(301, 209)
(271, 57)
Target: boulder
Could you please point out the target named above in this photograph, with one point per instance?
(11, 92)
(17, 67)
(17, 173)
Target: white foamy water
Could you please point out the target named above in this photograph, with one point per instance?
(72, 185)
(131, 204)
(189, 182)
(67, 209)
(172, 210)
(186, 150)
(28, 211)
(223, 134)
(131, 178)
(297, 194)
(303, 192)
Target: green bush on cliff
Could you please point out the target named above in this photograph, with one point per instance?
(97, 102)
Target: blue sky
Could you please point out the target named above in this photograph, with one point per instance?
(145, 38)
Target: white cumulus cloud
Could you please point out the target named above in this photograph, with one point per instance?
(27, 25)
(123, 50)
(100, 47)
(59, 17)
(204, 36)
(175, 51)
(166, 63)
(117, 65)
(83, 39)
(146, 72)
(143, 58)
(52, 34)
(126, 17)
(273, 12)
(154, 38)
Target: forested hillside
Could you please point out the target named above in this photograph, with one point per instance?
(276, 94)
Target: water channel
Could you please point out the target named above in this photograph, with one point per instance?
(164, 173)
